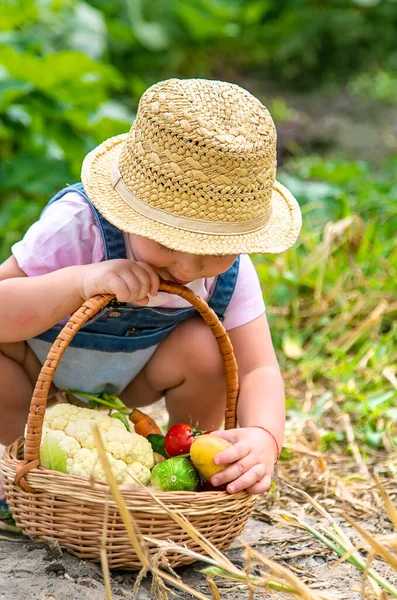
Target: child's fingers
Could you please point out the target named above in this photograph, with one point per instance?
(231, 435)
(116, 285)
(232, 454)
(234, 471)
(248, 479)
(143, 302)
(260, 486)
(139, 283)
(154, 278)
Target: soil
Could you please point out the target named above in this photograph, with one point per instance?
(35, 571)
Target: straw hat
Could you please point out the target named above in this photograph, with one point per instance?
(196, 172)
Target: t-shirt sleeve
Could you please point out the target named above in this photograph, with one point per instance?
(65, 235)
(247, 302)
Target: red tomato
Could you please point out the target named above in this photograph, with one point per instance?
(178, 439)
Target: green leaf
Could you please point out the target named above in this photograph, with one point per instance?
(373, 438)
(51, 455)
(367, 3)
(15, 14)
(11, 90)
(157, 442)
(87, 31)
(152, 35)
(123, 419)
(379, 398)
(6, 516)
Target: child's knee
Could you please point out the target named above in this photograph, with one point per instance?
(14, 351)
(22, 355)
(199, 347)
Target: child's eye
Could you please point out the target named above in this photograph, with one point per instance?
(165, 248)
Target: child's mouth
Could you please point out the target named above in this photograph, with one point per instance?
(180, 281)
(164, 274)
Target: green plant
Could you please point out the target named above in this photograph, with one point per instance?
(331, 299)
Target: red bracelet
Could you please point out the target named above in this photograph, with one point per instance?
(274, 440)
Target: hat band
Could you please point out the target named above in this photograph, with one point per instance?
(185, 223)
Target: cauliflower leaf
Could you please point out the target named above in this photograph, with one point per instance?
(51, 455)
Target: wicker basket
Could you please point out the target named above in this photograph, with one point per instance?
(51, 505)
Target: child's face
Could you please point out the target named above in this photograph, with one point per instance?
(178, 266)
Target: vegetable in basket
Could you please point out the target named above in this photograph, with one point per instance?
(157, 442)
(202, 453)
(174, 475)
(143, 424)
(180, 437)
(68, 431)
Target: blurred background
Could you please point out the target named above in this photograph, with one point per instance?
(71, 74)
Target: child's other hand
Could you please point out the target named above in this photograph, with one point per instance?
(129, 280)
(253, 455)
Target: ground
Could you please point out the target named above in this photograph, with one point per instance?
(34, 571)
(28, 570)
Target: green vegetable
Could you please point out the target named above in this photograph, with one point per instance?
(157, 442)
(122, 418)
(174, 475)
(51, 455)
(96, 401)
(6, 516)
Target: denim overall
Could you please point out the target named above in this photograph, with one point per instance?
(112, 347)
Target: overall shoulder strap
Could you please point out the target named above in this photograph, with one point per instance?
(224, 288)
(113, 238)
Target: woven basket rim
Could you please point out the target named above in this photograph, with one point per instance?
(41, 480)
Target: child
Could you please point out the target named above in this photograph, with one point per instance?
(185, 196)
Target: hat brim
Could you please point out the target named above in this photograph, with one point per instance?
(279, 234)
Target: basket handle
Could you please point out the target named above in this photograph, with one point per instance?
(77, 320)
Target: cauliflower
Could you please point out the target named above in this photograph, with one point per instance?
(130, 455)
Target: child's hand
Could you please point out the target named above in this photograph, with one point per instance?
(253, 455)
(130, 281)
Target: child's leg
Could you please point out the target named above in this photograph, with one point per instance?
(187, 368)
(19, 369)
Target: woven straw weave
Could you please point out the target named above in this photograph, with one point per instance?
(196, 172)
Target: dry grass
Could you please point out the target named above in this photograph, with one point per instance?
(341, 489)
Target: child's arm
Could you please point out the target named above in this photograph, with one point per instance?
(261, 402)
(31, 305)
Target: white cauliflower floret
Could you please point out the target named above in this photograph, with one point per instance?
(67, 444)
(119, 469)
(82, 432)
(139, 471)
(58, 416)
(128, 446)
(71, 428)
(82, 463)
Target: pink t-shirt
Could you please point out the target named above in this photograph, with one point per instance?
(67, 234)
